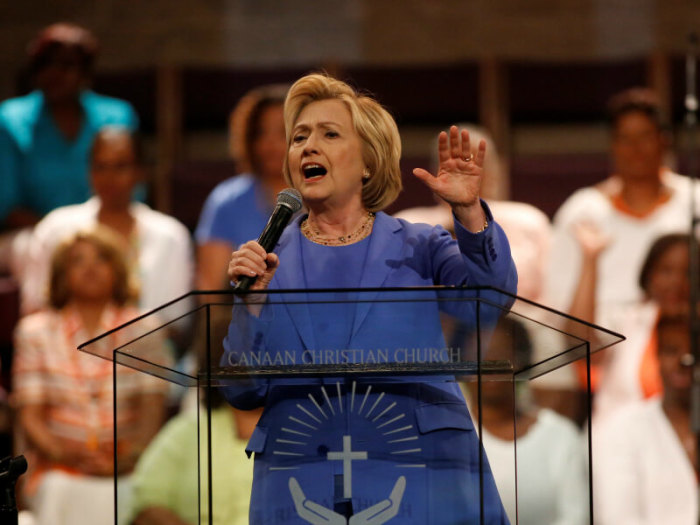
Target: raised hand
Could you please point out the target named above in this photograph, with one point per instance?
(591, 240)
(459, 176)
(458, 180)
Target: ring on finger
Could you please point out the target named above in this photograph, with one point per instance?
(468, 158)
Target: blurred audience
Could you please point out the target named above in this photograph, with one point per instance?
(158, 248)
(631, 370)
(645, 456)
(237, 209)
(45, 136)
(169, 486)
(602, 233)
(619, 218)
(64, 398)
(85, 283)
(548, 483)
(527, 228)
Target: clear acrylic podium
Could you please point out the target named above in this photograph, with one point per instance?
(356, 380)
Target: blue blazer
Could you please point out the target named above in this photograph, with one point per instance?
(390, 449)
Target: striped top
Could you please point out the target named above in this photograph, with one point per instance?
(75, 388)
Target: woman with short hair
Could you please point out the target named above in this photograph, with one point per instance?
(343, 157)
(64, 397)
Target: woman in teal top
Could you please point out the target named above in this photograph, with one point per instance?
(46, 136)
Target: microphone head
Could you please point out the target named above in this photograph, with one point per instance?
(290, 198)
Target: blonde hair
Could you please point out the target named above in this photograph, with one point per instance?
(381, 143)
(108, 245)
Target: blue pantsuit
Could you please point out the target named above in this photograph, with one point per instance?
(367, 449)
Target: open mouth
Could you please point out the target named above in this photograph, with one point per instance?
(313, 171)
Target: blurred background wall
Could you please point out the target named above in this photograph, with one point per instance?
(536, 73)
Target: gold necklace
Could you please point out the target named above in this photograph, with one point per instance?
(362, 231)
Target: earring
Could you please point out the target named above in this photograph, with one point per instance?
(365, 173)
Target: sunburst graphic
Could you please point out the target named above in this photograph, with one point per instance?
(302, 427)
(301, 432)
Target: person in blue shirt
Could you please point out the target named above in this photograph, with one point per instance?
(46, 135)
(237, 209)
(363, 450)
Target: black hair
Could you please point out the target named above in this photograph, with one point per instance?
(636, 100)
(659, 247)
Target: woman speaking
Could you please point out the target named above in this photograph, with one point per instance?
(364, 450)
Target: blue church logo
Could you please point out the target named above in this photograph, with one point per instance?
(384, 428)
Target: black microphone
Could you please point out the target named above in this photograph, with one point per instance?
(10, 469)
(288, 203)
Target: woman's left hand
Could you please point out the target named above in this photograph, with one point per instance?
(458, 180)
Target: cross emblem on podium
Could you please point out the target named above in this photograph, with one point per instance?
(347, 456)
(393, 431)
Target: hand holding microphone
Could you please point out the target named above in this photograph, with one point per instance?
(254, 263)
(251, 267)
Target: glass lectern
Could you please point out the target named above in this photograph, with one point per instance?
(365, 418)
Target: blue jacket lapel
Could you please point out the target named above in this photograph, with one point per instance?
(289, 276)
(383, 246)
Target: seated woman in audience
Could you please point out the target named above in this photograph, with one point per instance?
(237, 210)
(630, 371)
(64, 398)
(549, 485)
(158, 248)
(167, 476)
(644, 457)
